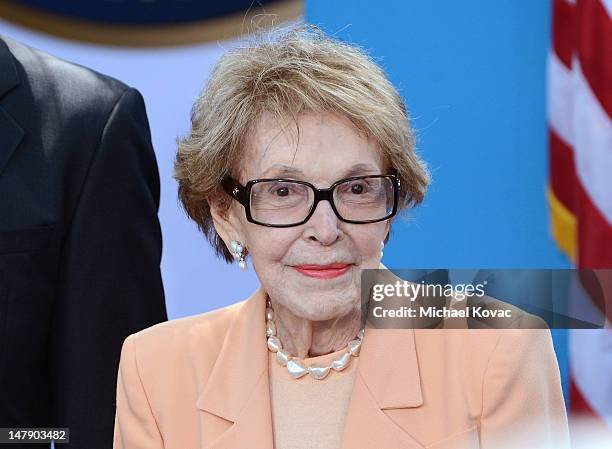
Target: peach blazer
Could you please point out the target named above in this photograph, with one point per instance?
(201, 382)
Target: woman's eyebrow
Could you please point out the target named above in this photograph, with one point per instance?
(361, 169)
(280, 170)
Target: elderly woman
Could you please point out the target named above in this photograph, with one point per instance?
(299, 156)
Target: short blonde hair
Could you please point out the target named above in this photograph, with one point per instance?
(301, 71)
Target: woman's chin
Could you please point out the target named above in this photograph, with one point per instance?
(322, 307)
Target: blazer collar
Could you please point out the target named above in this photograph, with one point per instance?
(11, 133)
(237, 389)
(9, 77)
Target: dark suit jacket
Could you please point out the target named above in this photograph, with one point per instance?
(80, 241)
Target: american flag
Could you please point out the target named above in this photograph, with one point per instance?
(580, 188)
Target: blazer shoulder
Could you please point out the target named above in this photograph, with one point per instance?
(518, 325)
(471, 349)
(492, 313)
(71, 83)
(181, 335)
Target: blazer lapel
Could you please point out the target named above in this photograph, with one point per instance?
(238, 389)
(387, 378)
(11, 133)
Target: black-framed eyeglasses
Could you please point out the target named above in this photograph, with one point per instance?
(281, 202)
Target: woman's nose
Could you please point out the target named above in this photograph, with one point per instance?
(323, 225)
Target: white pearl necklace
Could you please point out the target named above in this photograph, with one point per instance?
(296, 367)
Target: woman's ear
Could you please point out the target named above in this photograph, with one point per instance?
(225, 222)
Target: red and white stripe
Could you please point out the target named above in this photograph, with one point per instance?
(580, 191)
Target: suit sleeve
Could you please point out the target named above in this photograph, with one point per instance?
(109, 279)
(135, 425)
(523, 402)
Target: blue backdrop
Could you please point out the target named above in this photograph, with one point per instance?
(474, 76)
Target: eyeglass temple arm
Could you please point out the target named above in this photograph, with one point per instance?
(234, 189)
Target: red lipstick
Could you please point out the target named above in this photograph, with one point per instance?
(323, 271)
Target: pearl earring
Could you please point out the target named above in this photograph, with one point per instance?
(382, 246)
(238, 252)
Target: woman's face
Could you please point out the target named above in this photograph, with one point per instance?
(329, 149)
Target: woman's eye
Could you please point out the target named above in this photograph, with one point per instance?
(357, 189)
(282, 191)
